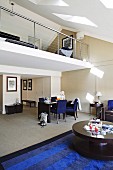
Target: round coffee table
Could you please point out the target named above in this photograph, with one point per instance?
(92, 147)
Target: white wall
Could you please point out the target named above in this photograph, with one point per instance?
(10, 97)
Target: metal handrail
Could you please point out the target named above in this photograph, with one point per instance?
(38, 23)
(31, 20)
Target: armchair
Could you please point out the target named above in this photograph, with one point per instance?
(110, 104)
(107, 113)
(71, 109)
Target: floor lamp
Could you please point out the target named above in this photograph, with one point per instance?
(99, 94)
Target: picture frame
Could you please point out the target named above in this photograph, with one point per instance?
(11, 84)
(24, 84)
(29, 84)
(67, 42)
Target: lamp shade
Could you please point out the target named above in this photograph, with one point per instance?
(98, 94)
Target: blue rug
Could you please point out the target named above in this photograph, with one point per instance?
(54, 154)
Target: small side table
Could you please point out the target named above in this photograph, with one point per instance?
(97, 106)
(14, 108)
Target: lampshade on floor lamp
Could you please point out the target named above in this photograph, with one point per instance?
(99, 94)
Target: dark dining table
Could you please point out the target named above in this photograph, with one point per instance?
(45, 107)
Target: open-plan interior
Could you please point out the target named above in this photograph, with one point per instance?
(60, 50)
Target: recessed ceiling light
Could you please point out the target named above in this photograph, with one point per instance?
(76, 19)
(107, 3)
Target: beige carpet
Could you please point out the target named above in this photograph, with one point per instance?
(20, 130)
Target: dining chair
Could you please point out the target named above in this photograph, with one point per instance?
(60, 109)
(42, 99)
(71, 109)
(53, 99)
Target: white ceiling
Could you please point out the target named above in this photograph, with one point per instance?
(94, 10)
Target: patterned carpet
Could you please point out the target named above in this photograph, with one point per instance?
(54, 154)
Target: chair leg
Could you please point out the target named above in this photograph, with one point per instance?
(75, 115)
(57, 118)
(64, 116)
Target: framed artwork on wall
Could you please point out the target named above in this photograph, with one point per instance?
(67, 42)
(29, 84)
(11, 84)
(24, 84)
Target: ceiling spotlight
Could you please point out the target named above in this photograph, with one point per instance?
(11, 13)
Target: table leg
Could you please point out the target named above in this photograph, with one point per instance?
(96, 111)
(49, 117)
(90, 110)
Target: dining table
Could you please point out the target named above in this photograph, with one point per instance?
(45, 107)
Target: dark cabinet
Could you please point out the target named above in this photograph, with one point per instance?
(16, 108)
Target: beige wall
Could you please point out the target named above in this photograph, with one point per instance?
(1, 94)
(78, 83)
(42, 87)
(55, 86)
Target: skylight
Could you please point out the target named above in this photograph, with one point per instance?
(107, 3)
(76, 19)
(49, 2)
(35, 1)
(97, 72)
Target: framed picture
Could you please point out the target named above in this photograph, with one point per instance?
(67, 43)
(24, 84)
(11, 84)
(29, 84)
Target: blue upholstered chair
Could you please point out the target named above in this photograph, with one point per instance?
(110, 105)
(107, 113)
(60, 109)
(71, 109)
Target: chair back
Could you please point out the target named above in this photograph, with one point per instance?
(41, 99)
(53, 99)
(75, 104)
(61, 106)
(110, 104)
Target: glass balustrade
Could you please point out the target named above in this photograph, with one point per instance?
(29, 31)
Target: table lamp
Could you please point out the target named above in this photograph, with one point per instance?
(99, 94)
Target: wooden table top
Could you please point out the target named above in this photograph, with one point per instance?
(78, 130)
